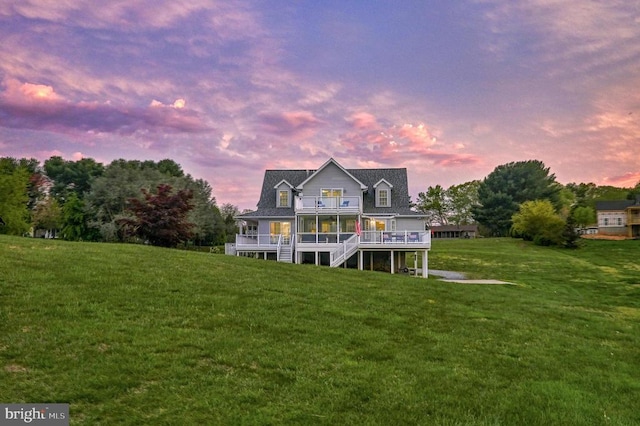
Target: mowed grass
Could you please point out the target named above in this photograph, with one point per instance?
(141, 335)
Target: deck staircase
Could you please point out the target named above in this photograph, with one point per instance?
(344, 252)
(285, 253)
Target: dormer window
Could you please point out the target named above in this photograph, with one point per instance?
(284, 198)
(383, 193)
(383, 198)
(283, 194)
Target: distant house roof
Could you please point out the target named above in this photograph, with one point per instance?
(620, 205)
(400, 200)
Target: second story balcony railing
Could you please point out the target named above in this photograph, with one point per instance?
(328, 204)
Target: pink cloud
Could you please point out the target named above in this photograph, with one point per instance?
(627, 180)
(294, 124)
(395, 145)
(363, 120)
(23, 93)
(39, 107)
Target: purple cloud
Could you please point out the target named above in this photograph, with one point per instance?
(291, 124)
(38, 107)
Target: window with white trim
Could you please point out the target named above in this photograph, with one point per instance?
(382, 198)
(283, 198)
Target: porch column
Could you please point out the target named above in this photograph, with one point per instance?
(425, 264)
(361, 259)
(393, 266)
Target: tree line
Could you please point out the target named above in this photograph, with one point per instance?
(157, 203)
(520, 199)
(126, 200)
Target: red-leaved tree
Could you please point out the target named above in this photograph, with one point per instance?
(161, 218)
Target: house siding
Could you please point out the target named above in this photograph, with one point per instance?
(409, 224)
(331, 177)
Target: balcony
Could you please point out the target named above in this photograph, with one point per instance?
(328, 205)
(633, 218)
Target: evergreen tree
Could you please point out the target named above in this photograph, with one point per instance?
(501, 193)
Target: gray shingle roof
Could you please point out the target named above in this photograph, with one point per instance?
(400, 201)
(614, 205)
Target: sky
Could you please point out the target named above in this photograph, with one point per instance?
(228, 89)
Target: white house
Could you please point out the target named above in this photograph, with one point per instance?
(357, 218)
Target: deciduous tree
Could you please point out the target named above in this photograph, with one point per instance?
(435, 205)
(47, 215)
(537, 221)
(161, 218)
(583, 216)
(14, 198)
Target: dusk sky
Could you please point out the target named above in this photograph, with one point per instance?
(447, 89)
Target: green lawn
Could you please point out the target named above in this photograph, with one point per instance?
(140, 335)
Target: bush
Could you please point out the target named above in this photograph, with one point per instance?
(537, 221)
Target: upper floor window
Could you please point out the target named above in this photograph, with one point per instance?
(331, 192)
(619, 221)
(283, 198)
(383, 193)
(382, 198)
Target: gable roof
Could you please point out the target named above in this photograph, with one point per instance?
(332, 161)
(281, 182)
(381, 181)
(400, 200)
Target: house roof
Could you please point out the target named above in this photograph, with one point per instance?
(620, 205)
(400, 200)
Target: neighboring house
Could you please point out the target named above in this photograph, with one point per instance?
(620, 218)
(357, 218)
(454, 231)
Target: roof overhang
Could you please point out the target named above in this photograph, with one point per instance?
(381, 181)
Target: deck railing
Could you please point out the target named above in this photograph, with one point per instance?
(323, 238)
(344, 251)
(396, 237)
(392, 238)
(259, 240)
(347, 204)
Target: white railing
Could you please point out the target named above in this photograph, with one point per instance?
(396, 237)
(278, 248)
(344, 251)
(323, 238)
(351, 204)
(260, 240)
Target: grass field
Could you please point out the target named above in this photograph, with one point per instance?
(140, 335)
